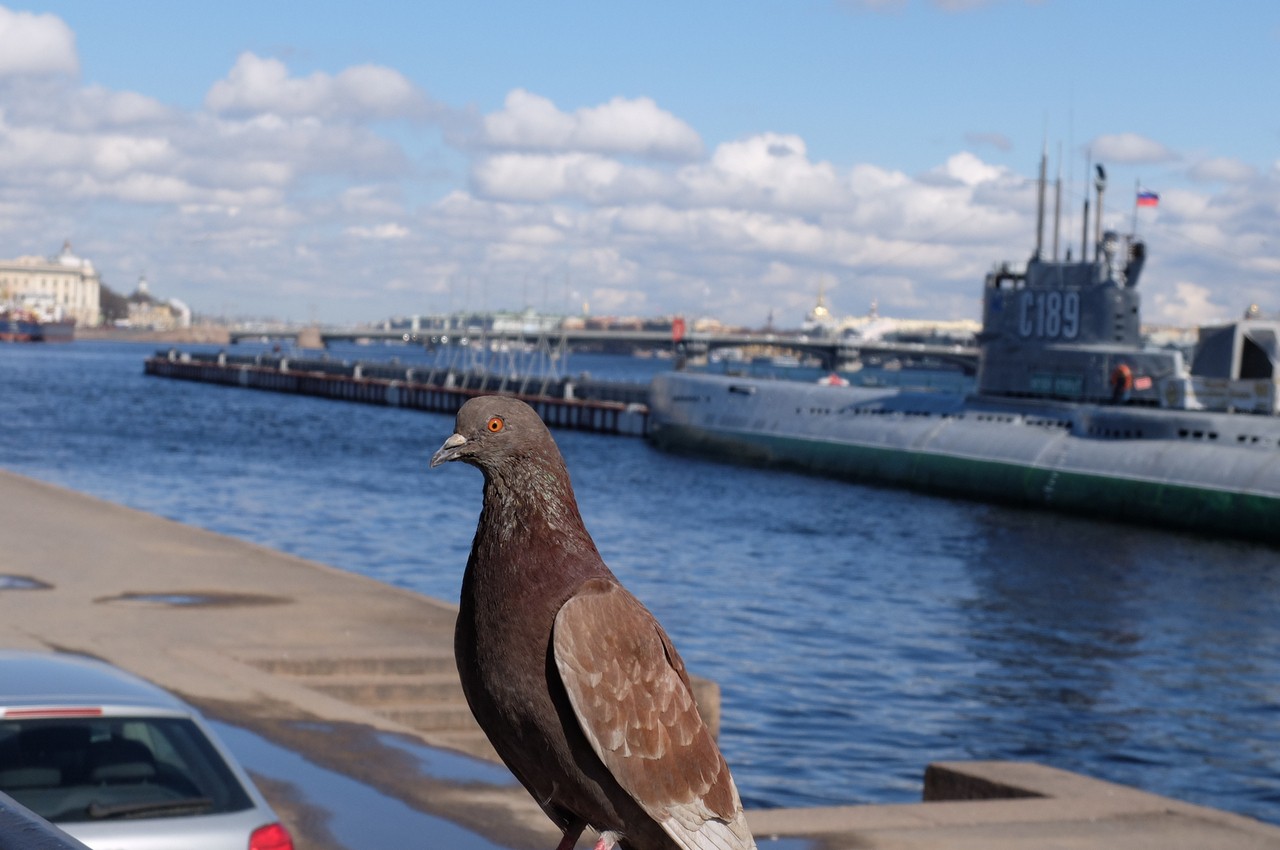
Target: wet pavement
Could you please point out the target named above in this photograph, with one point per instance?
(332, 811)
(353, 815)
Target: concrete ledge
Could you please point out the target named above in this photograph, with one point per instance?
(998, 804)
(959, 781)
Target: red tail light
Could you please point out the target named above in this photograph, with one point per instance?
(272, 837)
(18, 713)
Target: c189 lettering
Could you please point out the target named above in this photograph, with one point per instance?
(1049, 314)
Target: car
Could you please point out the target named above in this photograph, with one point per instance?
(121, 764)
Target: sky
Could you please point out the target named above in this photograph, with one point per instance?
(347, 163)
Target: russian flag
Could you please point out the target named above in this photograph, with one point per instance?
(1148, 199)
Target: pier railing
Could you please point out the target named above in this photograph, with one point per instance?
(579, 404)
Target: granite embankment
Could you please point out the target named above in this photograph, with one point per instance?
(195, 335)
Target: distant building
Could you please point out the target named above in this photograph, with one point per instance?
(873, 326)
(70, 281)
(820, 320)
(146, 312)
(529, 323)
(181, 311)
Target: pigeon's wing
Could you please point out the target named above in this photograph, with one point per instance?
(630, 692)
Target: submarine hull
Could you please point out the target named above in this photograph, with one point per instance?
(1216, 473)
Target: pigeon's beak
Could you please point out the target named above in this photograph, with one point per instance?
(449, 451)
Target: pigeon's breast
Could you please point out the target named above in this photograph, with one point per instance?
(505, 668)
(502, 644)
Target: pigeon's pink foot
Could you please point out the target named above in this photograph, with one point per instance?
(571, 837)
(608, 840)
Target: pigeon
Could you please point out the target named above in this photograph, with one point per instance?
(574, 681)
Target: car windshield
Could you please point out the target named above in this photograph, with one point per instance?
(97, 768)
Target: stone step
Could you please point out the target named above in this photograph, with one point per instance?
(378, 690)
(339, 665)
(433, 717)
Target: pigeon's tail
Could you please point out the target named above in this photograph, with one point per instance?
(712, 834)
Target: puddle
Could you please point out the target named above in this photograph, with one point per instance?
(196, 600)
(785, 843)
(165, 598)
(360, 817)
(441, 764)
(452, 767)
(10, 582)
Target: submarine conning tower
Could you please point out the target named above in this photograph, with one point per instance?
(1071, 330)
(1061, 330)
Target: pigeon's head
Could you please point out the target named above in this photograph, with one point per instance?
(491, 430)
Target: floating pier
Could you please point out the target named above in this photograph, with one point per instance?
(604, 407)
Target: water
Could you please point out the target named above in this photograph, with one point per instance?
(857, 633)
(358, 815)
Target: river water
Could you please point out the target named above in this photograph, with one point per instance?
(857, 633)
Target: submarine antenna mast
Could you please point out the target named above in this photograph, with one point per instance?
(1137, 187)
(1057, 205)
(1084, 225)
(1099, 183)
(1044, 156)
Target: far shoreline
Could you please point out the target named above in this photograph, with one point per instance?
(198, 334)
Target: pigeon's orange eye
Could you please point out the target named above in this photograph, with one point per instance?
(496, 424)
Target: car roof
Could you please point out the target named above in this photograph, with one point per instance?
(53, 679)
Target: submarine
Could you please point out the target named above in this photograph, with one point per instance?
(1069, 411)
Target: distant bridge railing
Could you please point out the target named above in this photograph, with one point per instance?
(833, 353)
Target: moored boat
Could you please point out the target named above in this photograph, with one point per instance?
(1071, 411)
(34, 321)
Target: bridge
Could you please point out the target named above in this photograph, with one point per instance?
(832, 352)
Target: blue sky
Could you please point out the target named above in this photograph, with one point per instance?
(319, 160)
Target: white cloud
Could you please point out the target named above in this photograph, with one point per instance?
(1129, 148)
(371, 200)
(1188, 305)
(258, 86)
(389, 230)
(1266, 265)
(618, 301)
(530, 122)
(36, 44)
(96, 104)
(1222, 168)
(966, 168)
(768, 170)
(141, 187)
(543, 177)
(635, 126)
(285, 192)
(117, 154)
